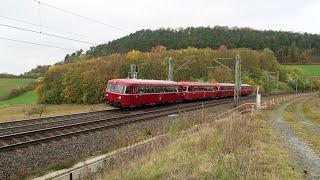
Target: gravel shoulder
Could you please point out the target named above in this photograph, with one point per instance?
(308, 159)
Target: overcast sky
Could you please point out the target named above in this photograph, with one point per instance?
(133, 15)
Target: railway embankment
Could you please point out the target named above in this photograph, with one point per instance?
(39, 159)
(259, 146)
(230, 147)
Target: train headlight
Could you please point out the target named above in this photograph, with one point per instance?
(107, 95)
(119, 97)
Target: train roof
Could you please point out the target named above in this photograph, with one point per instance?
(229, 84)
(166, 83)
(143, 82)
(196, 84)
(223, 84)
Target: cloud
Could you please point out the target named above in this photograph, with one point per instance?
(295, 15)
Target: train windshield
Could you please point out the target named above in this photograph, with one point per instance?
(119, 89)
(110, 87)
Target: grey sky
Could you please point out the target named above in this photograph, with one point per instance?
(16, 58)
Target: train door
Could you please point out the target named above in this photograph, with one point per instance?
(134, 91)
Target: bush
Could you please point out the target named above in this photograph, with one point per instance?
(37, 110)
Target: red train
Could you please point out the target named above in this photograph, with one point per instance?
(135, 92)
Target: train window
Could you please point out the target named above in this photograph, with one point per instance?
(128, 89)
(176, 88)
(119, 88)
(110, 87)
(185, 88)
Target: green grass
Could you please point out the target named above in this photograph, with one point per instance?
(26, 98)
(313, 70)
(7, 84)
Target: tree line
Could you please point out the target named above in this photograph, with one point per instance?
(288, 47)
(84, 80)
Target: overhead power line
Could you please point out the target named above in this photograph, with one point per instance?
(47, 34)
(75, 14)
(47, 27)
(27, 42)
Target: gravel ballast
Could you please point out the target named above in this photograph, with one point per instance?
(20, 163)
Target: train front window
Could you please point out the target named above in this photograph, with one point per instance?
(119, 89)
(110, 87)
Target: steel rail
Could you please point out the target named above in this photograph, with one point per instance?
(46, 134)
(12, 141)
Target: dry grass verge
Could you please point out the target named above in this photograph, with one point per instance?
(311, 110)
(18, 112)
(242, 148)
(301, 128)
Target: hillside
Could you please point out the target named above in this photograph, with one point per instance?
(288, 47)
(8, 84)
(84, 80)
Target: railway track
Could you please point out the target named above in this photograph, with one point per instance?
(29, 132)
(42, 123)
(93, 122)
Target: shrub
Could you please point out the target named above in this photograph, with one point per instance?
(36, 110)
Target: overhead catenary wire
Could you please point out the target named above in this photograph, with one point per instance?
(47, 34)
(46, 27)
(84, 17)
(27, 42)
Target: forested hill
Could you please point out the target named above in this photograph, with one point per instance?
(288, 47)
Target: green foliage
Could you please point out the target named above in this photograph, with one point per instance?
(39, 71)
(80, 82)
(287, 46)
(84, 81)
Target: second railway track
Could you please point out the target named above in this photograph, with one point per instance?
(91, 122)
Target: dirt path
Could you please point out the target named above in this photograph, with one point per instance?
(308, 159)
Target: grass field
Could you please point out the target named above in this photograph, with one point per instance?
(26, 98)
(313, 70)
(7, 84)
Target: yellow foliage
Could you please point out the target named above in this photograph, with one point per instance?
(135, 55)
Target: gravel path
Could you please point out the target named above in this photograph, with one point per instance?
(303, 119)
(308, 159)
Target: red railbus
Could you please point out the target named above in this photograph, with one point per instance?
(224, 89)
(198, 90)
(135, 92)
(246, 89)
(227, 89)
